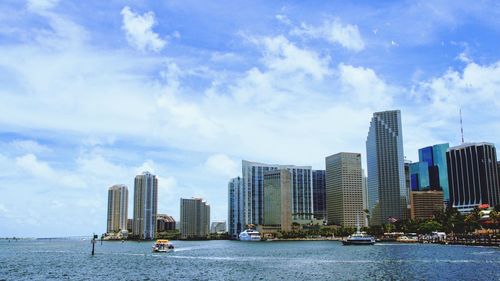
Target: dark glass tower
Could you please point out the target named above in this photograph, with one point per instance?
(473, 176)
(319, 194)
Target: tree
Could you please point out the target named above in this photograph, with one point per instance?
(428, 227)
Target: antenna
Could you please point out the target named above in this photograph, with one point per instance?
(461, 126)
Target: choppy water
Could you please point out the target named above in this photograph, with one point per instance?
(233, 260)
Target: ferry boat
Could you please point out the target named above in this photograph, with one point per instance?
(359, 238)
(249, 235)
(163, 246)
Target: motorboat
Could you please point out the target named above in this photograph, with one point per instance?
(163, 246)
(249, 235)
(407, 239)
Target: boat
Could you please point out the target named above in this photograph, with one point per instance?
(406, 239)
(163, 246)
(249, 235)
(359, 238)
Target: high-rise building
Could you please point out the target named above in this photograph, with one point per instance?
(218, 226)
(195, 218)
(431, 172)
(387, 193)
(253, 191)
(117, 208)
(277, 199)
(145, 205)
(424, 204)
(236, 204)
(473, 176)
(164, 223)
(319, 194)
(253, 185)
(344, 189)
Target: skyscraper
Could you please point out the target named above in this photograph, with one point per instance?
(117, 208)
(277, 209)
(145, 205)
(253, 190)
(319, 194)
(344, 189)
(431, 172)
(236, 219)
(195, 218)
(253, 185)
(424, 204)
(387, 192)
(473, 176)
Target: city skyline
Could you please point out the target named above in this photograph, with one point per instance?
(186, 89)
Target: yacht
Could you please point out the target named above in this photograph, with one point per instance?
(163, 246)
(249, 235)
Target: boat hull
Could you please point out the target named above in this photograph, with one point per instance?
(361, 243)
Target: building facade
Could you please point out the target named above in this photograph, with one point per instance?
(145, 206)
(236, 204)
(424, 204)
(344, 189)
(253, 191)
(388, 197)
(218, 227)
(431, 172)
(277, 199)
(319, 194)
(301, 192)
(164, 223)
(473, 176)
(195, 218)
(117, 208)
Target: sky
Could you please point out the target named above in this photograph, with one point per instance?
(93, 93)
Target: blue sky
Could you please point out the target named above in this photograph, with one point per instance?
(94, 92)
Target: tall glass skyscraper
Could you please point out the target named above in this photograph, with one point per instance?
(236, 219)
(473, 176)
(319, 194)
(145, 206)
(387, 192)
(431, 172)
(253, 190)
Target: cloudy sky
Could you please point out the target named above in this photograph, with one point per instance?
(94, 92)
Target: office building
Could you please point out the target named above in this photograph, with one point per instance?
(145, 206)
(319, 194)
(253, 191)
(117, 208)
(195, 218)
(424, 204)
(164, 223)
(344, 189)
(218, 227)
(387, 193)
(431, 172)
(253, 185)
(236, 219)
(473, 176)
(277, 199)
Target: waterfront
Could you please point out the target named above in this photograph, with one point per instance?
(234, 260)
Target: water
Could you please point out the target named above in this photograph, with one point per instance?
(233, 260)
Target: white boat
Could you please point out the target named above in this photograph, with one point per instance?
(163, 246)
(249, 235)
(359, 238)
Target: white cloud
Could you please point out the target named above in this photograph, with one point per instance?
(333, 31)
(282, 55)
(221, 164)
(365, 86)
(41, 5)
(29, 146)
(42, 170)
(138, 29)
(283, 19)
